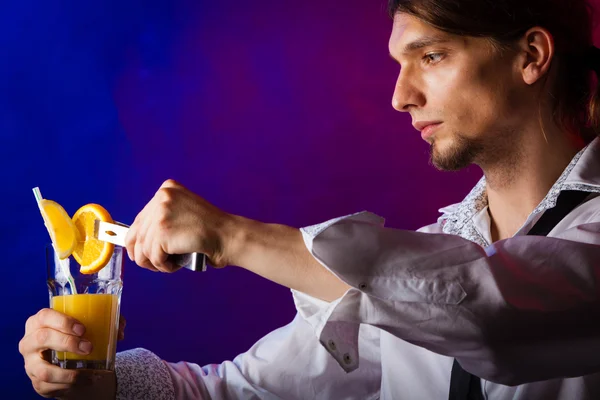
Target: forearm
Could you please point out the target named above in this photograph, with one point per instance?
(278, 253)
(141, 374)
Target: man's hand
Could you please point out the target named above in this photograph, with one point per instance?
(177, 221)
(51, 330)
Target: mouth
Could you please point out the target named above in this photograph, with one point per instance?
(427, 128)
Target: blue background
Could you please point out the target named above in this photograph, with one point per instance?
(278, 111)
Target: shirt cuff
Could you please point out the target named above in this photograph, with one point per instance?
(311, 232)
(142, 375)
(339, 338)
(335, 324)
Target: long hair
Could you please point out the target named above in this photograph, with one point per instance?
(575, 93)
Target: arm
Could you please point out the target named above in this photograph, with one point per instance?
(522, 310)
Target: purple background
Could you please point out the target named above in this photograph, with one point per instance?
(278, 111)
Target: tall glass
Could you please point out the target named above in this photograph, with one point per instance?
(96, 305)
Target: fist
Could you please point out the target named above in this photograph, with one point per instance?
(177, 221)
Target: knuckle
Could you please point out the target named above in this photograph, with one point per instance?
(22, 347)
(36, 385)
(70, 343)
(170, 183)
(66, 323)
(43, 315)
(146, 246)
(166, 196)
(28, 370)
(139, 243)
(42, 374)
(148, 265)
(70, 376)
(41, 336)
(139, 250)
(164, 224)
(155, 263)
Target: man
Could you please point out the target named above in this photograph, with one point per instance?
(502, 84)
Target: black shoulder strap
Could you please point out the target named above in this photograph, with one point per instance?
(566, 202)
(466, 386)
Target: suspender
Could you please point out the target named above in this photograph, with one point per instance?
(466, 386)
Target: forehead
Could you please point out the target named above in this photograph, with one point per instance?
(405, 24)
(408, 30)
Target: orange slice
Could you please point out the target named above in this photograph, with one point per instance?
(91, 254)
(60, 226)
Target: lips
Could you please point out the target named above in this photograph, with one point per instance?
(420, 125)
(427, 128)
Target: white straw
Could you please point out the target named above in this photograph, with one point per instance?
(63, 264)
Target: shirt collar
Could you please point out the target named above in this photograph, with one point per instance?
(582, 174)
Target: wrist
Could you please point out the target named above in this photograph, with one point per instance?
(236, 240)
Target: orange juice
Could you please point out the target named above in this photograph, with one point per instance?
(99, 314)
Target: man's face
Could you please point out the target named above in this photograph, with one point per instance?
(462, 94)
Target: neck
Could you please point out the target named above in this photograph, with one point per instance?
(518, 182)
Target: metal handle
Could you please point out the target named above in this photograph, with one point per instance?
(193, 261)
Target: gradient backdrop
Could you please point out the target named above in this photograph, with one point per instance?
(275, 110)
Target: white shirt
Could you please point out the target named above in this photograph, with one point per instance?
(525, 309)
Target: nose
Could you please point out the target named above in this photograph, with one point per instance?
(406, 93)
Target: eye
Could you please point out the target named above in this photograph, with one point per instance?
(432, 58)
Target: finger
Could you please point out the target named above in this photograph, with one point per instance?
(144, 237)
(48, 373)
(47, 338)
(170, 266)
(157, 257)
(141, 259)
(49, 390)
(132, 234)
(56, 320)
(131, 237)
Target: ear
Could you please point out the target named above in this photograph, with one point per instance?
(537, 48)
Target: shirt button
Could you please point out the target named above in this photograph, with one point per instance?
(362, 286)
(332, 345)
(347, 358)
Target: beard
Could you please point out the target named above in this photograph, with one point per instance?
(461, 153)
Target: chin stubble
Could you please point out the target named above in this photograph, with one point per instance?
(462, 153)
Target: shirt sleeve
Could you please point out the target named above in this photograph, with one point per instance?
(142, 375)
(522, 310)
(288, 363)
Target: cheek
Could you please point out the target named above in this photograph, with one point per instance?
(456, 98)
(473, 100)
(496, 94)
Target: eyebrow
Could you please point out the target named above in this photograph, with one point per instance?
(423, 42)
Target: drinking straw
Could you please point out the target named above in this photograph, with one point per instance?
(63, 263)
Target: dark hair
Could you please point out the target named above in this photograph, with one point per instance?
(505, 21)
